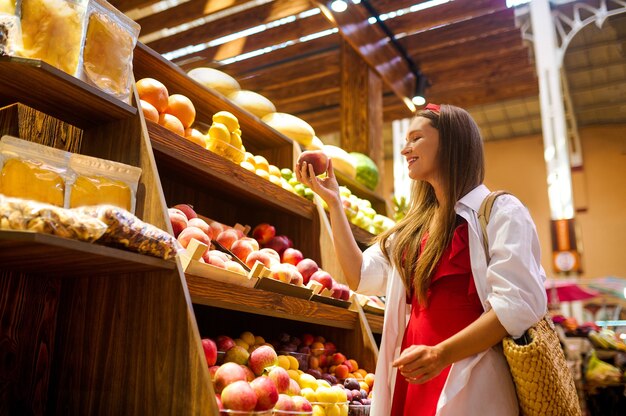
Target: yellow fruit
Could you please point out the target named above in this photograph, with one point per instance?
(247, 166)
(261, 163)
(259, 340)
(294, 375)
(364, 386)
(228, 119)
(326, 395)
(309, 394)
(318, 410)
(341, 394)
(333, 410)
(274, 170)
(248, 338)
(242, 343)
(263, 173)
(276, 181)
(233, 154)
(283, 362)
(249, 157)
(235, 140)
(307, 380)
(219, 131)
(293, 363)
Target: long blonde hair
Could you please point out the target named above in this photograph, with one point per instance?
(461, 169)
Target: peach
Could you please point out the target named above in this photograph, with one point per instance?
(188, 233)
(233, 266)
(274, 256)
(220, 254)
(237, 354)
(329, 348)
(263, 233)
(341, 371)
(262, 358)
(228, 373)
(292, 256)
(255, 244)
(239, 396)
(307, 339)
(227, 238)
(281, 272)
(216, 227)
(258, 256)
(178, 220)
(241, 249)
(218, 400)
(279, 243)
(307, 267)
(324, 278)
(338, 358)
(296, 277)
(285, 403)
(201, 224)
(280, 377)
(215, 261)
(266, 393)
(315, 158)
(210, 351)
(187, 209)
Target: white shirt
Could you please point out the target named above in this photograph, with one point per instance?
(512, 285)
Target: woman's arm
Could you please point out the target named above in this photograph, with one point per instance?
(348, 252)
(420, 363)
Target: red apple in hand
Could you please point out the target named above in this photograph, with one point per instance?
(210, 351)
(315, 158)
(292, 256)
(324, 278)
(306, 268)
(263, 233)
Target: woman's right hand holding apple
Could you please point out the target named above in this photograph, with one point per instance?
(327, 188)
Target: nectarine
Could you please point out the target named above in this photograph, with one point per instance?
(182, 108)
(153, 92)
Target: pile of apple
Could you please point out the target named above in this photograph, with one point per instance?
(291, 266)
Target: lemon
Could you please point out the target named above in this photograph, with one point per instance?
(227, 119)
(282, 359)
(219, 131)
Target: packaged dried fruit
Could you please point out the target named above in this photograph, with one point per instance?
(128, 231)
(100, 181)
(10, 34)
(26, 215)
(52, 30)
(107, 61)
(33, 171)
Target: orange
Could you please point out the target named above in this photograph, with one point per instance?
(182, 108)
(154, 92)
(195, 136)
(149, 112)
(172, 123)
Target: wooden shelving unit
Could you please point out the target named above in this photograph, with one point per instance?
(376, 322)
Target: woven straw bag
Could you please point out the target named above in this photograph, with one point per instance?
(543, 382)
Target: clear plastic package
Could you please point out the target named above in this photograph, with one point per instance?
(126, 230)
(53, 30)
(107, 60)
(26, 215)
(101, 181)
(33, 171)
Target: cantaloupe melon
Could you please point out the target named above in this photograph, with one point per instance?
(215, 79)
(291, 126)
(253, 102)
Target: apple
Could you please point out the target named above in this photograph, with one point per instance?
(324, 278)
(275, 257)
(253, 242)
(262, 358)
(301, 404)
(307, 339)
(237, 354)
(292, 256)
(346, 292)
(249, 374)
(266, 393)
(201, 224)
(178, 219)
(187, 209)
(307, 267)
(213, 370)
(315, 158)
(329, 348)
(280, 377)
(279, 243)
(337, 289)
(228, 373)
(242, 249)
(224, 343)
(294, 388)
(218, 400)
(263, 233)
(226, 238)
(285, 403)
(210, 351)
(239, 396)
(192, 232)
(258, 256)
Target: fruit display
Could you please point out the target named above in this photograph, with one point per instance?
(215, 79)
(360, 213)
(291, 126)
(253, 102)
(224, 137)
(366, 170)
(256, 375)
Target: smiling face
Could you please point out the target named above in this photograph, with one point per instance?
(421, 150)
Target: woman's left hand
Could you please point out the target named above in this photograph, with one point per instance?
(420, 363)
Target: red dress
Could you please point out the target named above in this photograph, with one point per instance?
(453, 304)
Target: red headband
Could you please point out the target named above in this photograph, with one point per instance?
(435, 108)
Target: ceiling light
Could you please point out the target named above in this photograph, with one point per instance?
(338, 6)
(421, 83)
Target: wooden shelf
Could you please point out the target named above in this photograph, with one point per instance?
(257, 135)
(376, 322)
(378, 202)
(260, 302)
(55, 256)
(221, 174)
(48, 89)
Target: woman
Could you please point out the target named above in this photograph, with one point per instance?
(447, 309)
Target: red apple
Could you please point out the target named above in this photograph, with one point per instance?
(258, 256)
(262, 358)
(301, 404)
(280, 377)
(213, 370)
(228, 373)
(241, 249)
(224, 343)
(193, 232)
(315, 158)
(292, 256)
(345, 295)
(239, 396)
(227, 238)
(324, 278)
(266, 393)
(307, 267)
(337, 289)
(249, 374)
(210, 351)
(187, 209)
(201, 224)
(263, 233)
(275, 257)
(294, 388)
(178, 219)
(285, 403)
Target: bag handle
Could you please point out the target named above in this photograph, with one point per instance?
(483, 217)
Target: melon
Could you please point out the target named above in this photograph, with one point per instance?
(291, 126)
(253, 102)
(366, 170)
(342, 161)
(216, 80)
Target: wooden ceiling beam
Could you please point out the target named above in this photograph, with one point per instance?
(184, 13)
(443, 15)
(300, 88)
(126, 5)
(386, 6)
(327, 98)
(269, 38)
(234, 23)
